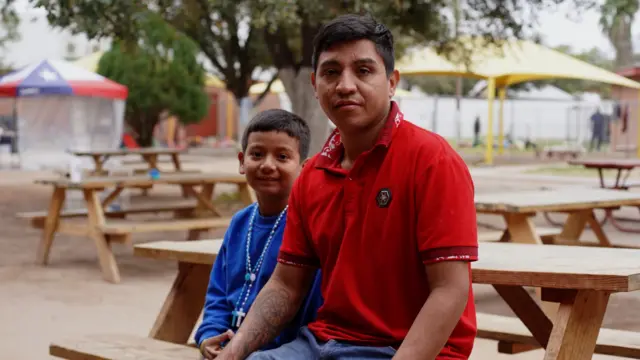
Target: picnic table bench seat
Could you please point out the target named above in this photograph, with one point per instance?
(513, 337)
(37, 218)
(496, 235)
(121, 347)
(121, 230)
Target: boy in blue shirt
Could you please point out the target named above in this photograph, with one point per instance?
(274, 145)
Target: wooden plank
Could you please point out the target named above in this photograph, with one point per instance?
(626, 164)
(132, 209)
(124, 152)
(543, 232)
(99, 182)
(121, 227)
(512, 330)
(196, 252)
(554, 200)
(562, 267)
(120, 347)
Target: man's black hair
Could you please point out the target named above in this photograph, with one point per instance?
(352, 27)
(280, 120)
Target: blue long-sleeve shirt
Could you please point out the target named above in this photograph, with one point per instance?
(228, 278)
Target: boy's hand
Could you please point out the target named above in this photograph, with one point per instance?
(211, 347)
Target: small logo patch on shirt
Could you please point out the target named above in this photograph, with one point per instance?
(383, 198)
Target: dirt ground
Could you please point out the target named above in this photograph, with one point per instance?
(69, 298)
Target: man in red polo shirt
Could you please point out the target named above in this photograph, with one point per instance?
(385, 210)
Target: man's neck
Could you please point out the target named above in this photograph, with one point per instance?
(357, 143)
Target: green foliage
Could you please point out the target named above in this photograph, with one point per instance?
(161, 72)
(9, 22)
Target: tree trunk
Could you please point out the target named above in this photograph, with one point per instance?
(304, 104)
(620, 36)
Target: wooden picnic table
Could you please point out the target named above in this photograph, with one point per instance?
(579, 279)
(103, 229)
(149, 155)
(517, 208)
(624, 168)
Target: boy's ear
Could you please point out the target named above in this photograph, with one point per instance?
(241, 160)
(304, 162)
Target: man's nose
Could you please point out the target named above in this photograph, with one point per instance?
(346, 84)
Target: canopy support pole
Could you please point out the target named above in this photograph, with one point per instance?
(491, 89)
(502, 92)
(638, 126)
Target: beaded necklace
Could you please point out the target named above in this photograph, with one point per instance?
(250, 275)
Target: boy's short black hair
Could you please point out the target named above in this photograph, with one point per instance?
(354, 27)
(280, 120)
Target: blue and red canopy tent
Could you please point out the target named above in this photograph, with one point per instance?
(50, 77)
(58, 105)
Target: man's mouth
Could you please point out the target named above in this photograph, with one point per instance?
(346, 103)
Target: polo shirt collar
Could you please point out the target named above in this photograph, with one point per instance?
(333, 149)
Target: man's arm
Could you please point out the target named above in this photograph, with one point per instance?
(449, 282)
(275, 306)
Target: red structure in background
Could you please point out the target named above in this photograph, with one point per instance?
(624, 133)
(208, 126)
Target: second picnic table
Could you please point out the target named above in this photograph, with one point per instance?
(149, 155)
(579, 279)
(518, 207)
(101, 226)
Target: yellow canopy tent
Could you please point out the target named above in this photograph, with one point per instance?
(509, 63)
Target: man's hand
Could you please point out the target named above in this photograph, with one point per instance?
(211, 347)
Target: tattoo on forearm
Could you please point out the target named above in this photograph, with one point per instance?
(273, 309)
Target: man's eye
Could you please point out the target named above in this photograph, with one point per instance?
(364, 71)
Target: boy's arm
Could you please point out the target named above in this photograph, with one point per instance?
(217, 312)
(448, 240)
(449, 284)
(275, 306)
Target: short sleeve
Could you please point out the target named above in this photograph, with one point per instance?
(297, 248)
(446, 214)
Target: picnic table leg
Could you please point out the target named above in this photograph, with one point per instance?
(576, 326)
(96, 219)
(523, 231)
(183, 304)
(51, 224)
(205, 205)
(176, 162)
(577, 222)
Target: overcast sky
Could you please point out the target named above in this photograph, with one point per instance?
(560, 26)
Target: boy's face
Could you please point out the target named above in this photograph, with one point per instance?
(352, 85)
(271, 163)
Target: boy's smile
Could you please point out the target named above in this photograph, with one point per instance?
(271, 164)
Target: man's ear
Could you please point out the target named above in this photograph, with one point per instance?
(313, 83)
(393, 82)
(241, 160)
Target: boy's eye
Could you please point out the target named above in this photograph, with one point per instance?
(283, 156)
(364, 71)
(330, 72)
(256, 153)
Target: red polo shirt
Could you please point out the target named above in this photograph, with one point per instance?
(407, 202)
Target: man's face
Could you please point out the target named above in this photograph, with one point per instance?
(352, 85)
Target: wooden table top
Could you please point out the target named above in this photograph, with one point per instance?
(528, 201)
(561, 267)
(607, 163)
(94, 182)
(123, 152)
